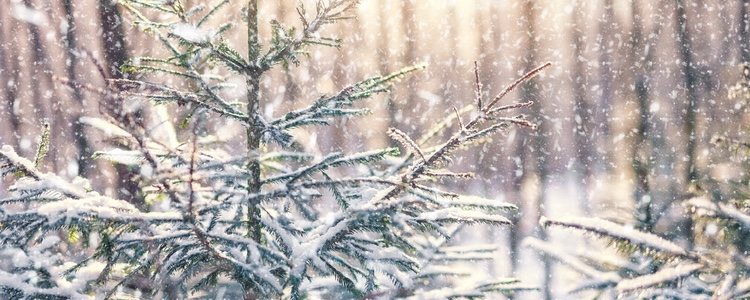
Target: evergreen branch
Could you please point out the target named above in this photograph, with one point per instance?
(607, 278)
(211, 12)
(405, 141)
(510, 107)
(167, 93)
(327, 107)
(519, 120)
(448, 174)
(331, 161)
(10, 162)
(627, 235)
(722, 209)
(43, 147)
(662, 276)
(477, 87)
(19, 283)
(458, 215)
(325, 14)
(528, 76)
(443, 124)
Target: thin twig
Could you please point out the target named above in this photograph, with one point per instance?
(478, 86)
(511, 87)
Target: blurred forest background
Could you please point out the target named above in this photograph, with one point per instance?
(628, 115)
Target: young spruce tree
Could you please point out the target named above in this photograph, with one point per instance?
(270, 221)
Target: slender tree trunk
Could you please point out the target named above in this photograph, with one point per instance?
(45, 96)
(332, 137)
(691, 80)
(744, 31)
(113, 36)
(522, 170)
(482, 157)
(383, 56)
(485, 53)
(641, 55)
(40, 61)
(11, 79)
(409, 28)
(115, 55)
(604, 108)
(537, 159)
(252, 80)
(79, 135)
(582, 110)
(254, 131)
(689, 125)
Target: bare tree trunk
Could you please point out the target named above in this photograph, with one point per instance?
(537, 159)
(11, 80)
(115, 50)
(604, 107)
(383, 57)
(640, 148)
(642, 55)
(744, 31)
(690, 77)
(42, 79)
(485, 56)
(582, 110)
(79, 135)
(40, 61)
(689, 125)
(409, 24)
(115, 55)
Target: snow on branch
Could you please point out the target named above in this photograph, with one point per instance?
(574, 262)
(667, 274)
(10, 162)
(722, 209)
(618, 233)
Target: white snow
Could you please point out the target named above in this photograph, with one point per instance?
(614, 230)
(27, 14)
(664, 275)
(110, 130)
(191, 33)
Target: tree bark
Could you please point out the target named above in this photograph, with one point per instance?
(537, 159)
(744, 31)
(689, 126)
(48, 103)
(690, 80)
(253, 131)
(641, 149)
(10, 71)
(115, 55)
(115, 49)
(582, 112)
(409, 28)
(79, 134)
(604, 107)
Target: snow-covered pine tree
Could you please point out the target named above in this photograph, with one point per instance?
(270, 221)
(716, 266)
